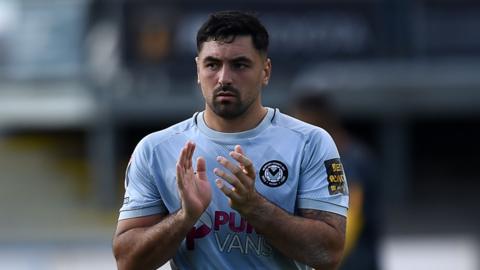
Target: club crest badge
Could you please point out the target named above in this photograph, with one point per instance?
(273, 173)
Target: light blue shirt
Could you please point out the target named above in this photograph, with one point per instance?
(297, 166)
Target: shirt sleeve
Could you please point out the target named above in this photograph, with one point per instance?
(142, 197)
(322, 183)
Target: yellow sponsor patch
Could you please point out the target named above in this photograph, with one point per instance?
(335, 176)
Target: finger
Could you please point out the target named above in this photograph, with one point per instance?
(187, 153)
(182, 158)
(244, 161)
(234, 169)
(179, 176)
(191, 149)
(227, 191)
(239, 149)
(230, 179)
(201, 168)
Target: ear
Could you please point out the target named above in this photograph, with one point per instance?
(267, 71)
(198, 70)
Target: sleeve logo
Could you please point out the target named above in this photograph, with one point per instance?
(127, 180)
(335, 177)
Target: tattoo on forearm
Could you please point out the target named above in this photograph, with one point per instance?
(336, 221)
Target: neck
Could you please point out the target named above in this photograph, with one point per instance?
(248, 120)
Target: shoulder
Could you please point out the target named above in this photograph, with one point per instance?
(161, 137)
(318, 144)
(307, 131)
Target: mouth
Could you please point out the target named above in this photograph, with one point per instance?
(226, 97)
(226, 94)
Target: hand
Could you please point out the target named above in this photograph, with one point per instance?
(194, 188)
(242, 196)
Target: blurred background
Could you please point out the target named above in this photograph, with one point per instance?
(81, 82)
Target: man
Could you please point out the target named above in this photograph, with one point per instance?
(280, 199)
(317, 107)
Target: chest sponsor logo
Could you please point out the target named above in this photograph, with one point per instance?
(273, 173)
(231, 232)
(335, 177)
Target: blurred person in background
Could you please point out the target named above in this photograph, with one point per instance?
(318, 108)
(280, 200)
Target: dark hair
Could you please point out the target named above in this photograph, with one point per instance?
(315, 102)
(322, 105)
(225, 26)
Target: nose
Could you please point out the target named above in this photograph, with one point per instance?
(225, 76)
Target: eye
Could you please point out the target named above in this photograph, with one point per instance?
(240, 66)
(212, 66)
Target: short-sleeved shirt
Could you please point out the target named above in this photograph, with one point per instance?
(297, 166)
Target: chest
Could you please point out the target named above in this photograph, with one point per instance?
(277, 172)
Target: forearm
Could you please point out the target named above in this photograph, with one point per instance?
(315, 238)
(313, 242)
(151, 247)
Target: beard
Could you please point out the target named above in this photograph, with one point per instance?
(228, 109)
